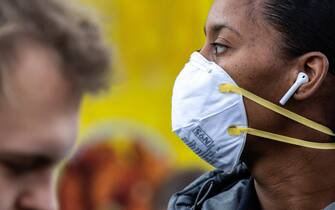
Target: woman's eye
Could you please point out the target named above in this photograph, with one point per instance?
(219, 48)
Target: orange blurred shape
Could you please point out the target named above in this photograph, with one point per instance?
(99, 178)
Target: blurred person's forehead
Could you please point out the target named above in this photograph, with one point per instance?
(37, 109)
(35, 77)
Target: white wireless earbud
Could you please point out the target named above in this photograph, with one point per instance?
(301, 79)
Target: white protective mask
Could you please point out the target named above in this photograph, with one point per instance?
(201, 114)
(208, 114)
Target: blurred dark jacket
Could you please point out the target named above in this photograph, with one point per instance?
(219, 190)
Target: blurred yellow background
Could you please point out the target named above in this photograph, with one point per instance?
(151, 41)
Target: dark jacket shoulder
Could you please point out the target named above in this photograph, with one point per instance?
(217, 190)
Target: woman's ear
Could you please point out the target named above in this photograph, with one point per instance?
(315, 65)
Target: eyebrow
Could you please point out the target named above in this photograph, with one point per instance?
(34, 159)
(218, 27)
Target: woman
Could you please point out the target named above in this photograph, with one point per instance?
(226, 107)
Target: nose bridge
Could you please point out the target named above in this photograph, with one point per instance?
(205, 51)
(39, 193)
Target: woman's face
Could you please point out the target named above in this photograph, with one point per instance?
(239, 39)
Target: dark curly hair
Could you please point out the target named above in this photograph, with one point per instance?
(73, 35)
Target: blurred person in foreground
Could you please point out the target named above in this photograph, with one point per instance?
(50, 56)
(257, 102)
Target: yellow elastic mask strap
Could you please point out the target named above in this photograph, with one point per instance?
(229, 88)
(236, 131)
